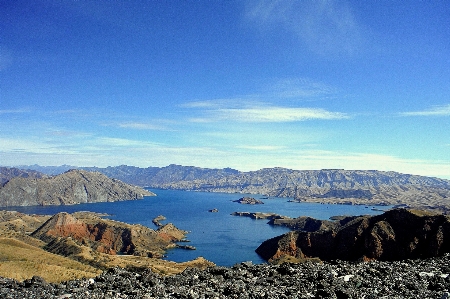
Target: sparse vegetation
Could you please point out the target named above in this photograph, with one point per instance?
(21, 261)
(23, 256)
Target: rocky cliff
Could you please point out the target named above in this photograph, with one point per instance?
(105, 236)
(394, 235)
(71, 187)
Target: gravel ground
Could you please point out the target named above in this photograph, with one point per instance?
(403, 279)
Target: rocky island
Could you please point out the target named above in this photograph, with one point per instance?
(248, 201)
(259, 215)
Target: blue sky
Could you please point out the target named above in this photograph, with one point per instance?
(241, 84)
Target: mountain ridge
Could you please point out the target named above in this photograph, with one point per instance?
(71, 187)
(396, 234)
(371, 187)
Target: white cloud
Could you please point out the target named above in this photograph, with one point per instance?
(267, 114)
(434, 111)
(23, 146)
(107, 151)
(142, 126)
(14, 111)
(268, 148)
(237, 102)
(302, 88)
(321, 159)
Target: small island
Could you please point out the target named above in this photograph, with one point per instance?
(249, 201)
(259, 215)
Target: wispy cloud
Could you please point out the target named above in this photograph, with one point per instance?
(302, 88)
(237, 102)
(267, 148)
(17, 145)
(142, 126)
(15, 111)
(434, 111)
(107, 151)
(267, 114)
(323, 26)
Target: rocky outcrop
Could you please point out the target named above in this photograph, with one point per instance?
(259, 215)
(394, 235)
(308, 224)
(72, 187)
(157, 220)
(106, 236)
(249, 201)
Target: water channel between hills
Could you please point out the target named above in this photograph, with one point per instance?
(218, 236)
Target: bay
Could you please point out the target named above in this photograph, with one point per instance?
(218, 236)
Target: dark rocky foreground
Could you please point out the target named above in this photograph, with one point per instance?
(401, 279)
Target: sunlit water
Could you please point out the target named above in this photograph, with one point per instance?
(218, 237)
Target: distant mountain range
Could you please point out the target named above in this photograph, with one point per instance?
(326, 185)
(7, 173)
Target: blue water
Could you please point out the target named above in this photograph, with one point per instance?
(218, 237)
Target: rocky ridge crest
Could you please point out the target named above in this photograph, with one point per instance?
(394, 235)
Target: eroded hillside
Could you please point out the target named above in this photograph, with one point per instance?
(69, 246)
(71, 187)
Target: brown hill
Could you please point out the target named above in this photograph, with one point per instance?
(72, 187)
(394, 235)
(108, 236)
(23, 256)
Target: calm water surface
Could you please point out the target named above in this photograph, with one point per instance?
(218, 237)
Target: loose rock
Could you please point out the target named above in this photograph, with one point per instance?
(336, 279)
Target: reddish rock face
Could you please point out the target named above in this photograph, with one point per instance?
(109, 236)
(395, 235)
(65, 225)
